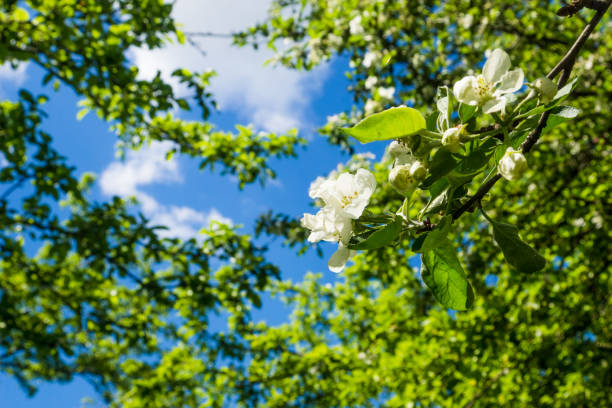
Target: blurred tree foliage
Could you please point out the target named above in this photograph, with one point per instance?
(107, 299)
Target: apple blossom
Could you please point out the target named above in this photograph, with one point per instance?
(512, 165)
(338, 260)
(355, 26)
(386, 93)
(370, 57)
(328, 225)
(397, 149)
(370, 82)
(489, 89)
(546, 88)
(418, 171)
(349, 194)
(400, 178)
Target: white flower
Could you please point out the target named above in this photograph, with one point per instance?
(334, 40)
(452, 139)
(400, 177)
(345, 197)
(369, 58)
(466, 21)
(512, 165)
(328, 225)
(488, 90)
(370, 82)
(371, 106)
(386, 93)
(334, 120)
(339, 258)
(418, 171)
(355, 26)
(349, 194)
(397, 149)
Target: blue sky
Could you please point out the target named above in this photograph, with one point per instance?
(176, 193)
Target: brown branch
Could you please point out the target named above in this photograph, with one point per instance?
(566, 64)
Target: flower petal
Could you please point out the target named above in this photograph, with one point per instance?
(512, 81)
(465, 90)
(496, 66)
(494, 105)
(315, 187)
(339, 259)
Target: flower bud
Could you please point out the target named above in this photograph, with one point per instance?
(546, 88)
(418, 171)
(396, 149)
(452, 139)
(401, 178)
(512, 165)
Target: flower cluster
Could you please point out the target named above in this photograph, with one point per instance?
(416, 151)
(345, 198)
(407, 170)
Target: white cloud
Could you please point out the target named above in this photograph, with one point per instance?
(13, 76)
(141, 167)
(185, 222)
(149, 166)
(273, 98)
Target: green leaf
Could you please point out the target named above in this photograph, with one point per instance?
(438, 199)
(565, 91)
(380, 237)
(559, 115)
(390, 124)
(431, 121)
(442, 163)
(561, 95)
(466, 112)
(517, 253)
(82, 113)
(431, 240)
(477, 159)
(443, 274)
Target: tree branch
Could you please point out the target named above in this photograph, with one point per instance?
(566, 64)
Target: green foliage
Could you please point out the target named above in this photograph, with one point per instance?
(105, 298)
(443, 274)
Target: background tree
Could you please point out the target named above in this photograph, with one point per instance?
(107, 299)
(95, 291)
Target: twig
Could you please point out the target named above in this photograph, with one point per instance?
(566, 64)
(208, 34)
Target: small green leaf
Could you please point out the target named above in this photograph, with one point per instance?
(477, 159)
(380, 237)
(390, 124)
(466, 112)
(560, 114)
(443, 274)
(517, 253)
(442, 163)
(439, 197)
(431, 121)
(82, 113)
(431, 240)
(565, 91)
